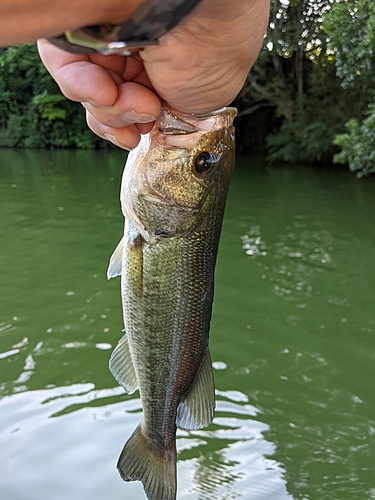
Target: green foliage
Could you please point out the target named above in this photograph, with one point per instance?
(317, 71)
(33, 112)
(350, 25)
(351, 29)
(295, 75)
(310, 93)
(318, 115)
(293, 143)
(358, 144)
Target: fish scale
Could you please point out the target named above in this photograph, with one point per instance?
(173, 196)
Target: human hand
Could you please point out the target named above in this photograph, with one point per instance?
(198, 67)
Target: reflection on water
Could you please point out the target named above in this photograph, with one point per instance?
(62, 428)
(236, 465)
(307, 272)
(292, 336)
(299, 253)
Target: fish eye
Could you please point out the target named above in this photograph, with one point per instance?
(204, 162)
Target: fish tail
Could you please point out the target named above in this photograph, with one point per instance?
(139, 462)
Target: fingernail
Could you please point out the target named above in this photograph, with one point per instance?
(86, 105)
(113, 139)
(132, 116)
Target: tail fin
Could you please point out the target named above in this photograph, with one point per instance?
(138, 462)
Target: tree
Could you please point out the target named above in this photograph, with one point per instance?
(296, 74)
(351, 29)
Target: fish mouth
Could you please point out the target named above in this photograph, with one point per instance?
(157, 199)
(172, 122)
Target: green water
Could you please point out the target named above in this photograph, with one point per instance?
(292, 336)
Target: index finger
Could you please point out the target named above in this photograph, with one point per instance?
(79, 78)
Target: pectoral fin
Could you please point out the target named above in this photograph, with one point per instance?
(121, 366)
(135, 264)
(197, 409)
(115, 263)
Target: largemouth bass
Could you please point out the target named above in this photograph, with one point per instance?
(173, 195)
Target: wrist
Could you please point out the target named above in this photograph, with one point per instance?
(150, 21)
(29, 20)
(209, 56)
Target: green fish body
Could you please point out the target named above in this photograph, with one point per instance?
(173, 196)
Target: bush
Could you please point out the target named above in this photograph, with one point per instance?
(33, 111)
(295, 142)
(358, 144)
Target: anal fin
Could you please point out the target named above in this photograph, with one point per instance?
(197, 409)
(121, 366)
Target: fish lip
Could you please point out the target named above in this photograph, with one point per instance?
(173, 122)
(230, 112)
(154, 197)
(157, 199)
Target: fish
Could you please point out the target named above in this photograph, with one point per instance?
(173, 194)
